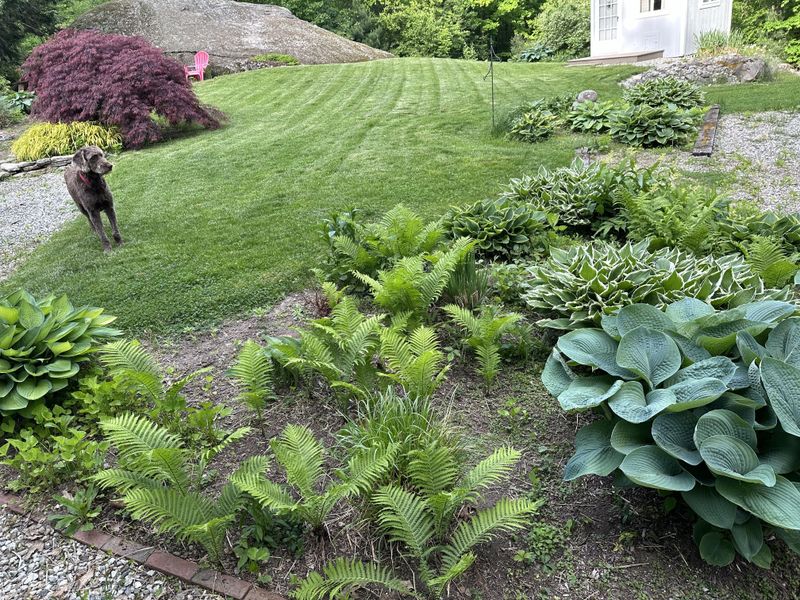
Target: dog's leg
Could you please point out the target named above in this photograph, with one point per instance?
(97, 224)
(112, 218)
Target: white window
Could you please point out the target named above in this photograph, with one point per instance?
(607, 20)
(650, 5)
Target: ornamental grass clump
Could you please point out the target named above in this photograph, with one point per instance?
(696, 402)
(115, 80)
(57, 139)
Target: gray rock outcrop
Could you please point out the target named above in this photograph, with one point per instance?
(727, 68)
(231, 32)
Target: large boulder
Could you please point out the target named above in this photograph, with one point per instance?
(231, 32)
(727, 68)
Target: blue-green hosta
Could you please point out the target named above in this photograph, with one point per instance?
(578, 285)
(700, 402)
(42, 343)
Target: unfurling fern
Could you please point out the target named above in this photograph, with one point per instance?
(253, 374)
(302, 458)
(161, 483)
(414, 360)
(484, 333)
(416, 282)
(769, 260)
(423, 520)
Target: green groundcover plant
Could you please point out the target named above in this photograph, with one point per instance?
(648, 126)
(699, 402)
(578, 285)
(666, 90)
(42, 344)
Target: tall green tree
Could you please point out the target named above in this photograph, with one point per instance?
(18, 20)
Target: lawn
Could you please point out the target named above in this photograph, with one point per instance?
(220, 223)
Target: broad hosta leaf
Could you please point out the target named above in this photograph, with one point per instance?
(593, 348)
(748, 537)
(749, 348)
(695, 393)
(650, 354)
(768, 311)
(710, 506)
(673, 433)
(781, 451)
(778, 505)
(33, 389)
(588, 392)
(731, 457)
(688, 348)
(716, 549)
(641, 315)
(782, 384)
(650, 466)
(556, 375)
(630, 402)
(723, 422)
(784, 342)
(763, 557)
(688, 309)
(627, 437)
(593, 452)
(13, 401)
(717, 367)
(790, 538)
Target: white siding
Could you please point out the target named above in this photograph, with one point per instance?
(707, 16)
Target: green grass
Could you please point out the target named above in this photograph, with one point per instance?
(219, 223)
(783, 93)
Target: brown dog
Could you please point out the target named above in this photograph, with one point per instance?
(90, 192)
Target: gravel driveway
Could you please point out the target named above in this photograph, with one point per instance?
(33, 207)
(36, 563)
(758, 153)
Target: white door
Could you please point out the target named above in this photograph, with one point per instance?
(606, 28)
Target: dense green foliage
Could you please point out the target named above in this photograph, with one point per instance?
(23, 18)
(42, 344)
(696, 401)
(562, 27)
(578, 285)
(665, 90)
(647, 126)
(771, 23)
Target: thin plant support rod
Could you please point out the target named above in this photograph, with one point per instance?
(490, 73)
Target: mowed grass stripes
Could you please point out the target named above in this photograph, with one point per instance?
(218, 223)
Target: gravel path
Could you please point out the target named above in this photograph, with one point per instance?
(33, 207)
(759, 153)
(36, 563)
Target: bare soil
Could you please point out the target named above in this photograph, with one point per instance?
(588, 540)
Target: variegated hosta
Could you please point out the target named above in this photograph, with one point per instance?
(697, 401)
(578, 285)
(42, 343)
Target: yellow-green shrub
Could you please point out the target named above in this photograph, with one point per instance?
(55, 139)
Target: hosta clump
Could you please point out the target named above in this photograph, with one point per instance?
(648, 126)
(579, 285)
(697, 401)
(42, 344)
(592, 117)
(537, 123)
(502, 229)
(666, 90)
(580, 194)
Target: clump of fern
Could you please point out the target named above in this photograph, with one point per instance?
(414, 360)
(160, 480)
(424, 520)
(484, 334)
(253, 374)
(304, 497)
(414, 283)
(768, 258)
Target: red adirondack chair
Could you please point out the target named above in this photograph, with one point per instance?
(200, 64)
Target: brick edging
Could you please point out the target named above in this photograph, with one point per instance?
(169, 564)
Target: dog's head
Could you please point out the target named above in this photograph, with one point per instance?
(92, 159)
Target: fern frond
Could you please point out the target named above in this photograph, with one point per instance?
(506, 515)
(123, 480)
(405, 518)
(234, 436)
(133, 366)
(343, 576)
(253, 374)
(136, 436)
(301, 455)
(433, 469)
(488, 356)
(464, 317)
(365, 468)
(434, 282)
(267, 493)
(453, 572)
(493, 469)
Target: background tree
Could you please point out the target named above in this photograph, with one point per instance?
(18, 20)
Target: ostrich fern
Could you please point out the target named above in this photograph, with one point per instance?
(415, 360)
(302, 457)
(484, 333)
(423, 520)
(161, 484)
(253, 374)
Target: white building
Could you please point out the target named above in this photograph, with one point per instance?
(651, 28)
